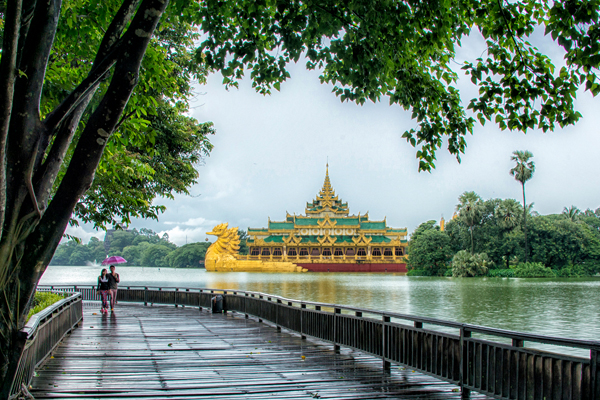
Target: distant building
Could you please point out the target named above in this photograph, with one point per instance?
(327, 238)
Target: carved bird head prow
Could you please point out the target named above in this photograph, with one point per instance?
(219, 230)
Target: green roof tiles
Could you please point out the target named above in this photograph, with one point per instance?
(258, 231)
(281, 225)
(306, 221)
(372, 225)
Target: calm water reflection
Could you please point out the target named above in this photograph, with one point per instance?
(558, 307)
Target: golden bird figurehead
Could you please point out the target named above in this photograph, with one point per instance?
(219, 230)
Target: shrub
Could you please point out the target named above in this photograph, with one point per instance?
(501, 273)
(466, 265)
(42, 300)
(448, 272)
(533, 270)
(572, 271)
(417, 272)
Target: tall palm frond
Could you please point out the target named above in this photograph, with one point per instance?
(522, 172)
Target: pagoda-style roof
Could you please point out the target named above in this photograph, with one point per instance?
(326, 203)
(327, 222)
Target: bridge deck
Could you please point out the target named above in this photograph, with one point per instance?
(166, 352)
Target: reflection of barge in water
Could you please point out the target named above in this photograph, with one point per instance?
(328, 239)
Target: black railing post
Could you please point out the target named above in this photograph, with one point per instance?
(200, 300)
(384, 340)
(302, 311)
(187, 297)
(336, 346)
(224, 302)
(246, 306)
(464, 362)
(595, 373)
(261, 307)
(145, 295)
(277, 314)
(176, 296)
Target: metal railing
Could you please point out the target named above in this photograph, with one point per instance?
(495, 363)
(43, 332)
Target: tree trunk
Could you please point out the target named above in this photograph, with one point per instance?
(525, 223)
(472, 243)
(35, 221)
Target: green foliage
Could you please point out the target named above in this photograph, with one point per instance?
(187, 256)
(155, 255)
(417, 272)
(501, 273)
(532, 270)
(559, 242)
(42, 300)
(466, 265)
(243, 242)
(572, 271)
(470, 210)
(429, 250)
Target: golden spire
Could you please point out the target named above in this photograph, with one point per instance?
(327, 191)
(327, 200)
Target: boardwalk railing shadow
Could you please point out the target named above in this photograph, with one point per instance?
(490, 361)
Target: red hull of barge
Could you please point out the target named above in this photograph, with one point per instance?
(347, 267)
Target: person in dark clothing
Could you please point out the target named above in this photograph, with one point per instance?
(113, 280)
(102, 289)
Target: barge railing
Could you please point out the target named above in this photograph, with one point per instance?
(42, 333)
(496, 362)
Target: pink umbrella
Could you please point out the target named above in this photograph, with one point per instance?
(114, 260)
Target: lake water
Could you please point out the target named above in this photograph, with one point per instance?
(556, 307)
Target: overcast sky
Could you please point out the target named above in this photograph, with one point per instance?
(270, 154)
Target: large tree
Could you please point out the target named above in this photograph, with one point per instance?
(523, 171)
(402, 51)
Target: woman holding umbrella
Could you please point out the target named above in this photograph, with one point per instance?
(113, 279)
(102, 290)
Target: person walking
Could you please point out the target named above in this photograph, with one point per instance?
(102, 289)
(113, 281)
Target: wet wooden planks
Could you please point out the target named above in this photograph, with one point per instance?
(166, 352)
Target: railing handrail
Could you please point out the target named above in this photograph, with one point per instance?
(34, 351)
(529, 337)
(39, 318)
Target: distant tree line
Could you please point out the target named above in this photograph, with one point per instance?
(142, 248)
(486, 237)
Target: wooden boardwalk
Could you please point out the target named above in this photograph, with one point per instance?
(166, 352)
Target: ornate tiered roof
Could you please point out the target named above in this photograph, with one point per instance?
(327, 221)
(326, 203)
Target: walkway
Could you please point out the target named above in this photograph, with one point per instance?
(166, 352)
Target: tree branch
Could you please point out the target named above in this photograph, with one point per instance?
(25, 128)
(67, 115)
(8, 71)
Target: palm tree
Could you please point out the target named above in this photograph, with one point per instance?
(508, 214)
(470, 208)
(572, 213)
(523, 172)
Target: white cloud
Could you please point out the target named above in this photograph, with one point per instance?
(84, 234)
(183, 236)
